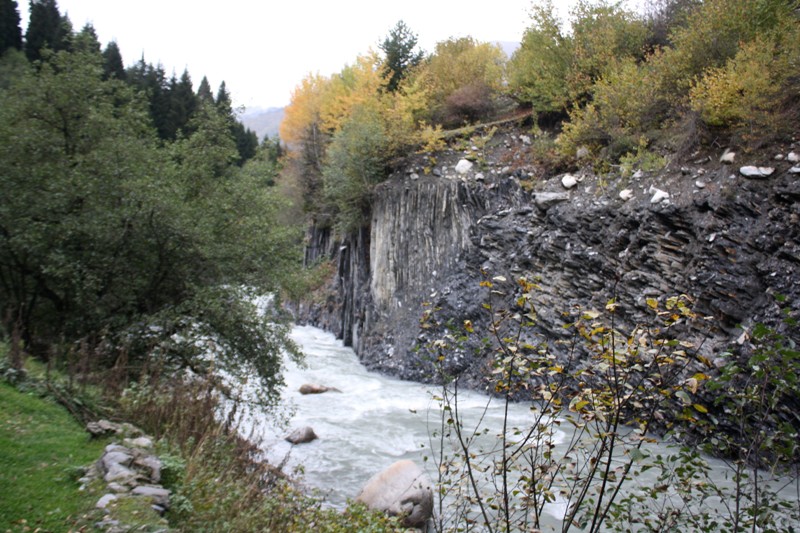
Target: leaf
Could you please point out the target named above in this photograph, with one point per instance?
(652, 303)
(700, 408)
(591, 314)
(684, 397)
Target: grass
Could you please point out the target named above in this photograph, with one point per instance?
(41, 451)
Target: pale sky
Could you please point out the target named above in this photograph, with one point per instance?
(262, 49)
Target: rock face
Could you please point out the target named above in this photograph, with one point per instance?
(730, 245)
(403, 489)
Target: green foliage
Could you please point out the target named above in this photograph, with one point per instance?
(742, 94)
(356, 161)
(538, 70)
(47, 29)
(112, 62)
(461, 79)
(714, 32)
(102, 229)
(10, 32)
(627, 106)
(401, 56)
(642, 159)
(603, 34)
(554, 70)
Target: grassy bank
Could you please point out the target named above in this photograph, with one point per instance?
(41, 451)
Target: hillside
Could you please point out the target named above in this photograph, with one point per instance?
(263, 122)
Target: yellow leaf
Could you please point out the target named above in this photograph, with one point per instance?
(700, 408)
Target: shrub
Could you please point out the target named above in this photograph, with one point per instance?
(713, 34)
(469, 103)
(628, 104)
(743, 93)
(456, 65)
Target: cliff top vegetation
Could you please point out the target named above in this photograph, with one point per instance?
(606, 86)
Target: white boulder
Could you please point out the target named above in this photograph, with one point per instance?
(569, 181)
(626, 194)
(658, 195)
(403, 489)
(463, 166)
(756, 172)
(727, 157)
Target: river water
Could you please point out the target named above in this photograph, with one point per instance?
(376, 420)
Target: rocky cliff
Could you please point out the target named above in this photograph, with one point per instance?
(702, 228)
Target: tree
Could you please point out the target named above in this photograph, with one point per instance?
(204, 93)
(113, 66)
(401, 55)
(86, 40)
(112, 241)
(538, 69)
(356, 161)
(46, 29)
(462, 67)
(182, 104)
(223, 100)
(10, 32)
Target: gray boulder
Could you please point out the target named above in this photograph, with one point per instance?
(546, 200)
(302, 435)
(158, 495)
(403, 489)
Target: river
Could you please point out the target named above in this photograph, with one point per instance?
(376, 420)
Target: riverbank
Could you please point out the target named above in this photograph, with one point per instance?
(217, 480)
(42, 453)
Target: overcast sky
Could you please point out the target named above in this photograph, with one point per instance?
(262, 49)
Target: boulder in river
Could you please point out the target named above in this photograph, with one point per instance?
(312, 388)
(302, 435)
(403, 489)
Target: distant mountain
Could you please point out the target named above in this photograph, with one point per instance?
(263, 121)
(508, 47)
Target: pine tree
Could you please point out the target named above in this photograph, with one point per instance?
(86, 40)
(10, 32)
(204, 93)
(401, 56)
(182, 105)
(112, 62)
(223, 100)
(46, 29)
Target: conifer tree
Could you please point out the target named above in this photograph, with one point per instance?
(182, 103)
(223, 101)
(46, 29)
(86, 40)
(204, 93)
(401, 56)
(113, 66)
(10, 32)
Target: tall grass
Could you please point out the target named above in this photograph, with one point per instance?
(218, 481)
